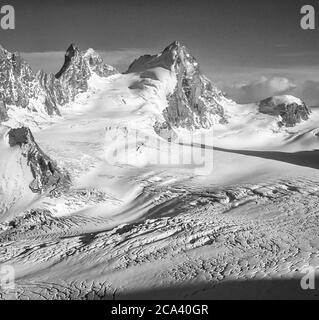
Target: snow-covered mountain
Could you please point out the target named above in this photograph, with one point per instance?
(291, 110)
(41, 93)
(20, 87)
(105, 191)
(194, 101)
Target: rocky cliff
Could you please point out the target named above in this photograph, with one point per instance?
(291, 110)
(77, 69)
(46, 173)
(195, 102)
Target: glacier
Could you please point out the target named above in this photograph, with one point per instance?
(89, 209)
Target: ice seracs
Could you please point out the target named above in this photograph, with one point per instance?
(290, 109)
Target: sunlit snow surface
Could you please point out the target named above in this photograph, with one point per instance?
(130, 227)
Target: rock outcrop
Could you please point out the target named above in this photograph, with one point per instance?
(3, 112)
(290, 109)
(46, 173)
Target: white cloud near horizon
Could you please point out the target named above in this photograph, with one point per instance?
(310, 91)
(260, 89)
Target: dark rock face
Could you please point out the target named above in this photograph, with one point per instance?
(195, 102)
(70, 53)
(165, 131)
(291, 110)
(21, 87)
(20, 136)
(77, 69)
(47, 175)
(3, 112)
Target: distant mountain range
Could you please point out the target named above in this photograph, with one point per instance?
(193, 103)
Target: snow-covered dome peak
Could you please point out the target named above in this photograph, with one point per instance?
(286, 99)
(291, 110)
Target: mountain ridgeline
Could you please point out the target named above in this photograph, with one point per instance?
(194, 103)
(42, 92)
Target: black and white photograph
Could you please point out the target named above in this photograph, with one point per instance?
(159, 150)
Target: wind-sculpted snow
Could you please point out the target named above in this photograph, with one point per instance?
(207, 240)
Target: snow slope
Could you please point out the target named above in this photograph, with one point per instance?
(133, 223)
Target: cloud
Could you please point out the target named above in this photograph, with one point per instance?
(122, 58)
(52, 61)
(310, 92)
(260, 89)
(49, 62)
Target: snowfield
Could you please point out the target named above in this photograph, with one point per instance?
(135, 227)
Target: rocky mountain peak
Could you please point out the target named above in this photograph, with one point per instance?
(290, 109)
(196, 102)
(84, 63)
(71, 52)
(78, 68)
(41, 92)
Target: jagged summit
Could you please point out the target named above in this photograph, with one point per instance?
(44, 93)
(78, 68)
(291, 110)
(173, 45)
(84, 62)
(20, 87)
(165, 59)
(196, 102)
(70, 53)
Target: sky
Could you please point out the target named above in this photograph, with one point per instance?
(249, 48)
